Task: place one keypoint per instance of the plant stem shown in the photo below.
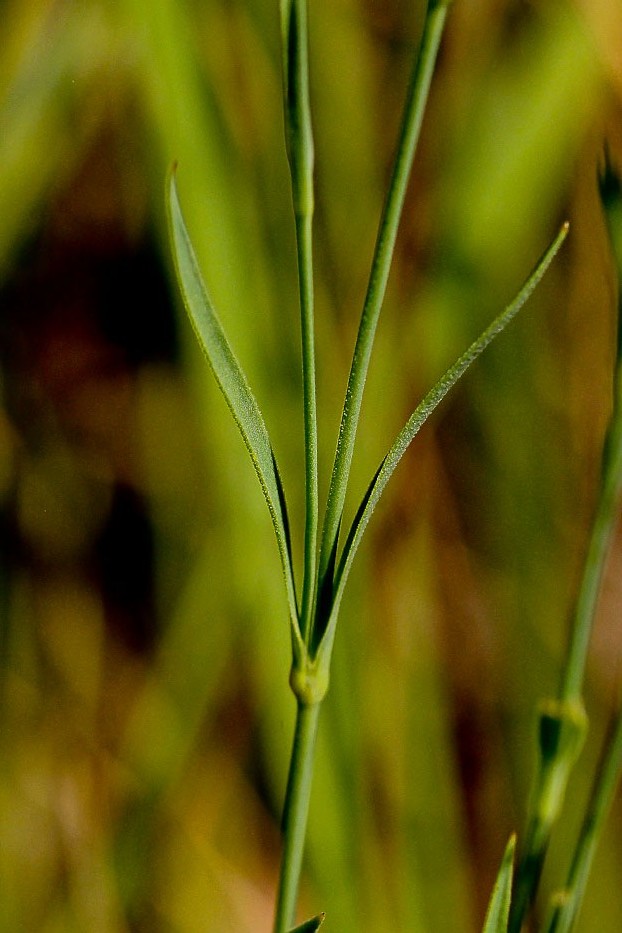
(304, 239)
(566, 904)
(598, 549)
(385, 243)
(300, 151)
(562, 732)
(295, 813)
(568, 715)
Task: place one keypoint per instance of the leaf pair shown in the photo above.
(248, 417)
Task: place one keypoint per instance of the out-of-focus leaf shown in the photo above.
(498, 912)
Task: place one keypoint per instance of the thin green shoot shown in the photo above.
(598, 550)
(412, 120)
(300, 152)
(566, 903)
(563, 723)
(295, 812)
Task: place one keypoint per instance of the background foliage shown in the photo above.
(145, 716)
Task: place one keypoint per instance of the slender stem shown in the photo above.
(387, 232)
(567, 902)
(598, 549)
(563, 726)
(295, 813)
(300, 150)
(557, 761)
(556, 764)
(304, 239)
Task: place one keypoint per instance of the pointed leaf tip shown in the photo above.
(310, 926)
(498, 914)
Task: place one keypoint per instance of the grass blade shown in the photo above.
(232, 382)
(418, 419)
(498, 913)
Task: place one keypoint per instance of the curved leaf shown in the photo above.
(498, 913)
(234, 386)
(418, 419)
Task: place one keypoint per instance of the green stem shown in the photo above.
(567, 902)
(569, 716)
(300, 150)
(385, 243)
(562, 732)
(295, 813)
(304, 238)
(598, 549)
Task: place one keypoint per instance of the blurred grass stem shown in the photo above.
(563, 724)
(566, 903)
(598, 550)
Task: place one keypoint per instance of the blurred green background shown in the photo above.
(145, 716)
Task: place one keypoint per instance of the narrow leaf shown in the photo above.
(233, 384)
(498, 913)
(421, 415)
(311, 925)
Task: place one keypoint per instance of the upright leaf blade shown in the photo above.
(234, 386)
(498, 913)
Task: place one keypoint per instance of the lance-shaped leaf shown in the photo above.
(234, 387)
(310, 926)
(498, 913)
(414, 424)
